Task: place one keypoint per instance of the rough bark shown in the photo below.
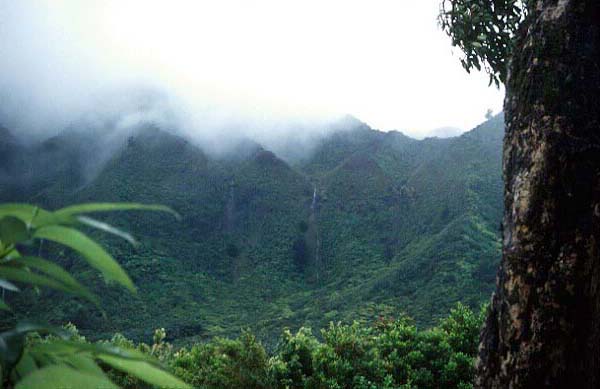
(543, 328)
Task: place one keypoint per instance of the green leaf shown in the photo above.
(4, 284)
(27, 326)
(95, 255)
(23, 212)
(12, 253)
(12, 342)
(63, 377)
(26, 365)
(83, 364)
(107, 207)
(29, 214)
(88, 221)
(4, 306)
(13, 230)
(144, 371)
(28, 277)
(66, 347)
(58, 274)
(62, 280)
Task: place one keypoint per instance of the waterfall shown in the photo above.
(315, 226)
(230, 207)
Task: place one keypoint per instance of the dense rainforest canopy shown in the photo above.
(270, 241)
(370, 223)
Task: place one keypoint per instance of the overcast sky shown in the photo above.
(383, 61)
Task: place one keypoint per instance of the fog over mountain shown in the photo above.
(365, 222)
(223, 73)
(445, 132)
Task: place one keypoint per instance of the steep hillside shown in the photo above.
(9, 160)
(368, 223)
(412, 224)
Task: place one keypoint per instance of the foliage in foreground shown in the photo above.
(391, 353)
(59, 361)
(485, 32)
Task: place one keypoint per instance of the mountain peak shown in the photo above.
(6, 136)
(491, 130)
(445, 132)
(266, 157)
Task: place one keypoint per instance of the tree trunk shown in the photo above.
(543, 328)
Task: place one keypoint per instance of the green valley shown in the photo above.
(365, 224)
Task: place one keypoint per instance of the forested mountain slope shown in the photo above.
(368, 223)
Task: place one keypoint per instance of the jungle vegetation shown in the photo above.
(369, 223)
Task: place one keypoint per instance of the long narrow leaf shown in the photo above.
(95, 255)
(88, 221)
(21, 211)
(66, 347)
(54, 352)
(12, 342)
(57, 273)
(144, 371)
(4, 284)
(25, 366)
(13, 230)
(108, 207)
(28, 326)
(83, 364)
(28, 277)
(29, 214)
(63, 377)
(4, 306)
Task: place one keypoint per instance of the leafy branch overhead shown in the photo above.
(484, 30)
(60, 362)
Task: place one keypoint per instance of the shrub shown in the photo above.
(224, 363)
(64, 359)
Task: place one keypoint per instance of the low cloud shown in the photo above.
(221, 72)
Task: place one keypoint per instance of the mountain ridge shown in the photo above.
(371, 221)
